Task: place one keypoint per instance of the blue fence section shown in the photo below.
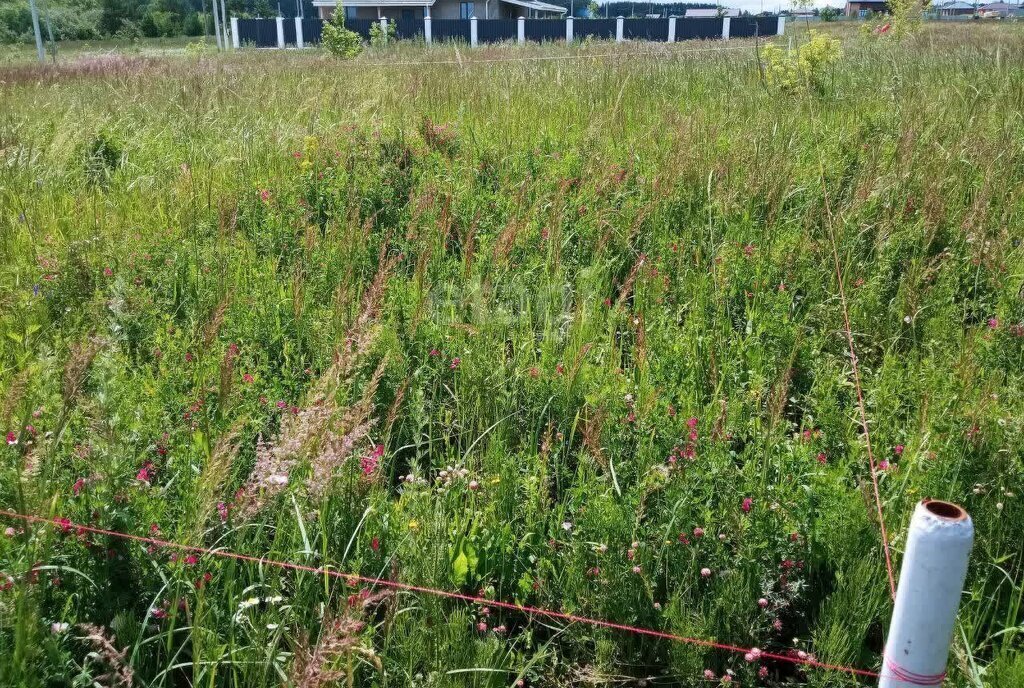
(747, 27)
(262, 33)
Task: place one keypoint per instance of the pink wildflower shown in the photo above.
(747, 505)
(107, 272)
(369, 463)
(247, 378)
(762, 603)
(375, 544)
(993, 323)
(264, 195)
(76, 489)
(222, 511)
(709, 675)
(705, 572)
(698, 532)
(455, 363)
(12, 438)
(822, 459)
(898, 450)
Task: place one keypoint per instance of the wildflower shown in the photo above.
(762, 672)
(145, 474)
(602, 548)
(691, 423)
(222, 511)
(762, 603)
(247, 378)
(637, 570)
(747, 505)
(65, 524)
(369, 463)
(76, 489)
(189, 357)
(58, 627)
(414, 525)
(9, 531)
(107, 272)
(993, 323)
(822, 459)
(482, 626)
(500, 629)
(883, 465)
(777, 625)
(375, 544)
(749, 657)
(567, 526)
(898, 450)
(801, 655)
(748, 250)
(264, 195)
(435, 352)
(12, 438)
(473, 485)
(705, 572)
(560, 369)
(709, 675)
(278, 479)
(191, 560)
(594, 572)
(154, 529)
(698, 532)
(455, 363)
(726, 678)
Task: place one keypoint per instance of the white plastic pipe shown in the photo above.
(931, 582)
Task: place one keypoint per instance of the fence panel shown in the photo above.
(545, 29)
(259, 32)
(450, 29)
(497, 30)
(699, 27)
(746, 27)
(645, 29)
(312, 31)
(409, 28)
(289, 31)
(360, 26)
(599, 29)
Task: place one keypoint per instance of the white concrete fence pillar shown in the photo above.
(427, 35)
(568, 29)
(618, 28)
(521, 30)
(725, 28)
(384, 30)
(931, 584)
(235, 42)
(782, 25)
(671, 29)
(299, 43)
(280, 32)
(472, 31)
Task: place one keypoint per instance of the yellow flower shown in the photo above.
(414, 525)
(495, 480)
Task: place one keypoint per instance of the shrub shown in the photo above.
(805, 68)
(338, 40)
(378, 35)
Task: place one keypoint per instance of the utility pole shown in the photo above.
(224, 23)
(216, 24)
(35, 28)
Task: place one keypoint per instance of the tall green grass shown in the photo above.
(527, 283)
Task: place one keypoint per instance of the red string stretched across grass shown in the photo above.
(799, 659)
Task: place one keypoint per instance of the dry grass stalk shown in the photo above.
(114, 662)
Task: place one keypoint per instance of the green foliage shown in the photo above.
(399, 323)
(829, 14)
(339, 41)
(807, 68)
(379, 37)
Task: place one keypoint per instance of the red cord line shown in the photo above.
(863, 416)
(352, 578)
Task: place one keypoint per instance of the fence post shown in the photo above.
(568, 29)
(618, 28)
(235, 42)
(671, 29)
(299, 43)
(725, 28)
(384, 30)
(472, 31)
(521, 30)
(427, 36)
(931, 583)
(782, 25)
(280, 32)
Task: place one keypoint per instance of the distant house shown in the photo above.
(437, 9)
(863, 8)
(999, 10)
(955, 8)
(692, 12)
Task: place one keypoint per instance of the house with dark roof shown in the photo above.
(437, 9)
(955, 8)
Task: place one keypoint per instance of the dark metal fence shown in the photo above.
(262, 33)
(600, 29)
(450, 29)
(645, 29)
(259, 32)
(545, 29)
(408, 28)
(699, 27)
(497, 30)
(312, 30)
(745, 27)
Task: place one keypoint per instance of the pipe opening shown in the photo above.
(946, 510)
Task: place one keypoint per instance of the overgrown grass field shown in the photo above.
(563, 331)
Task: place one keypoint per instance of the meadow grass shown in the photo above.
(564, 332)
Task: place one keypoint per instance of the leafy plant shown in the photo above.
(379, 36)
(806, 68)
(339, 41)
